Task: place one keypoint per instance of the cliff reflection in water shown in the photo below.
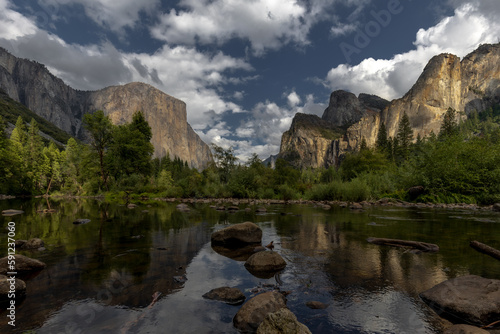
(120, 258)
(101, 276)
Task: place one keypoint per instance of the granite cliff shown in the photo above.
(472, 83)
(35, 87)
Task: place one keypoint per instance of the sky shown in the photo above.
(246, 67)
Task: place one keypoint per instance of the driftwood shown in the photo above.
(422, 246)
(480, 247)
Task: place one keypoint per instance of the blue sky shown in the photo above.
(245, 67)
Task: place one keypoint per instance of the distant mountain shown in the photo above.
(31, 84)
(467, 85)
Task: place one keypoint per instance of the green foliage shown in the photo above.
(225, 161)
(403, 140)
(461, 165)
(130, 150)
(100, 129)
(382, 143)
(449, 127)
(357, 163)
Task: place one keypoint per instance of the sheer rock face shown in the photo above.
(165, 114)
(346, 109)
(48, 96)
(470, 84)
(312, 142)
(446, 82)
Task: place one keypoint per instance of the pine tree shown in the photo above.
(382, 142)
(131, 149)
(36, 162)
(6, 166)
(363, 146)
(404, 138)
(449, 126)
(52, 170)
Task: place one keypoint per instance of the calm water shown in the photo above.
(101, 276)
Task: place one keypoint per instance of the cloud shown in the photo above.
(293, 99)
(14, 25)
(343, 29)
(82, 67)
(196, 78)
(266, 24)
(472, 24)
(111, 14)
(267, 122)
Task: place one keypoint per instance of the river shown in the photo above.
(100, 276)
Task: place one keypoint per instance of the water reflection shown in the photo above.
(101, 276)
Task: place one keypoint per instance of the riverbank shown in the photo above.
(226, 202)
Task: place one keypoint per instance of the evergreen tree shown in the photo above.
(382, 143)
(7, 166)
(52, 170)
(363, 146)
(404, 138)
(36, 164)
(131, 149)
(18, 139)
(449, 126)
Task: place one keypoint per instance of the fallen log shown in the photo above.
(422, 246)
(483, 248)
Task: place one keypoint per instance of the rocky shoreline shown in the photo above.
(329, 204)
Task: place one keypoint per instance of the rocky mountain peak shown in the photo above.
(446, 81)
(35, 87)
(345, 109)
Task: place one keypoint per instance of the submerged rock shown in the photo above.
(34, 243)
(238, 235)
(265, 264)
(315, 305)
(183, 207)
(467, 299)
(5, 288)
(237, 254)
(254, 311)
(232, 296)
(180, 279)
(282, 321)
(23, 264)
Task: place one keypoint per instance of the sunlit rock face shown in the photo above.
(312, 142)
(34, 86)
(165, 114)
(472, 83)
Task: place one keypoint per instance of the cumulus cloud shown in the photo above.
(14, 25)
(472, 24)
(266, 123)
(112, 14)
(183, 72)
(82, 67)
(266, 24)
(191, 76)
(293, 99)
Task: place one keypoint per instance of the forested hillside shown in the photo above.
(459, 164)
